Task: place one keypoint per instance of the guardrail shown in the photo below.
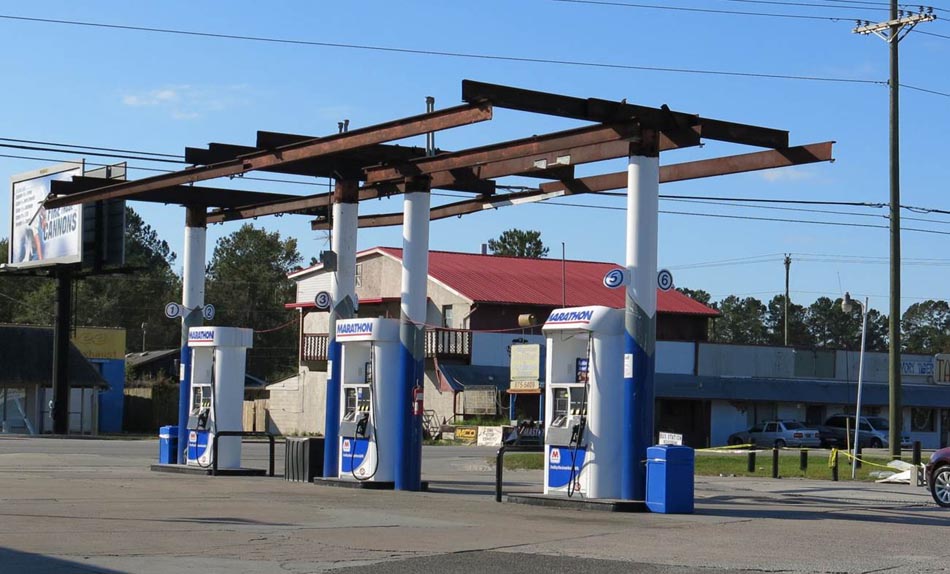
(242, 434)
(500, 463)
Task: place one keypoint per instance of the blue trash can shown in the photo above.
(670, 471)
(168, 445)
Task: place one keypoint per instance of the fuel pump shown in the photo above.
(583, 406)
(369, 380)
(217, 393)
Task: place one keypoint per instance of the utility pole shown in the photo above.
(892, 32)
(788, 264)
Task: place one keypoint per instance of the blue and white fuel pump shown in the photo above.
(370, 378)
(217, 393)
(584, 403)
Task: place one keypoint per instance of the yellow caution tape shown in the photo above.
(833, 458)
(730, 447)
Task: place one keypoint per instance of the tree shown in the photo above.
(248, 285)
(14, 288)
(832, 328)
(798, 335)
(742, 321)
(926, 328)
(696, 294)
(518, 243)
(125, 299)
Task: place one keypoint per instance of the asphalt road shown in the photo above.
(81, 506)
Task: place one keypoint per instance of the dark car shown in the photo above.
(938, 476)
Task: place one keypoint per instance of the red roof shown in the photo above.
(522, 280)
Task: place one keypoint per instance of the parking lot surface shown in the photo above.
(81, 506)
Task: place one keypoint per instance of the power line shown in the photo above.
(422, 52)
(98, 148)
(88, 152)
(708, 10)
(749, 218)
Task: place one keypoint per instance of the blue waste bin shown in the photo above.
(670, 471)
(168, 445)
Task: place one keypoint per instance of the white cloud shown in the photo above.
(785, 174)
(187, 102)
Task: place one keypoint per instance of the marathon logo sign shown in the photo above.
(204, 336)
(564, 317)
(354, 329)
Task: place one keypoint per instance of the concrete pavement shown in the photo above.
(93, 506)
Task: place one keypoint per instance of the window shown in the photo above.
(447, 316)
(770, 427)
(359, 275)
(922, 420)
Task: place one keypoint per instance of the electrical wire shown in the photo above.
(443, 53)
(710, 10)
(35, 142)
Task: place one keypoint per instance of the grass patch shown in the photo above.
(718, 464)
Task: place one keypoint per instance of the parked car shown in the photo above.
(938, 476)
(779, 434)
(873, 432)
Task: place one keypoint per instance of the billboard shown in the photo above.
(40, 237)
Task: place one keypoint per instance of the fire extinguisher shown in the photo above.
(417, 397)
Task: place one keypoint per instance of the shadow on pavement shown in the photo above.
(17, 561)
(821, 509)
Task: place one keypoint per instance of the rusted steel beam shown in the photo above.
(596, 110)
(771, 159)
(182, 194)
(389, 131)
(799, 155)
(450, 210)
(533, 146)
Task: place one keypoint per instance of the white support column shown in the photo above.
(643, 186)
(343, 306)
(192, 301)
(415, 273)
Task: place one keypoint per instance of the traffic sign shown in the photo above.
(664, 280)
(615, 278)
(322, 300)
(172, 310)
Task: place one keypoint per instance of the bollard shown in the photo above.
(774, 462)
(803, 460)
(834, 466)
(918, 472)
(751, 465)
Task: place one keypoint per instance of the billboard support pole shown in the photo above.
(192, 300)
(59, 411)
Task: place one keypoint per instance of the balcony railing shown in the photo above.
(441, 343)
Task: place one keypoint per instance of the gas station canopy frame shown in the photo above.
(375, 168)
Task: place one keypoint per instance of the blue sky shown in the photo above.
(160, 92)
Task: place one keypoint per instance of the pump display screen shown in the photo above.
(200, 398)
(349, 408)
(357, 400)
(567, 403)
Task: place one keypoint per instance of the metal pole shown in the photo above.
(342, 306)
(60, 408)
(643, 186)
(788, 264)
(894, 320)
(192, 301)
(857, 408)
(563, 275)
